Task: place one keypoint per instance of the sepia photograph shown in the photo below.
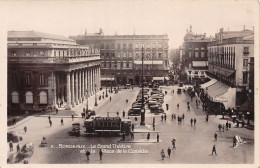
(130, 82)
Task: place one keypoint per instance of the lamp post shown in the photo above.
(248, 114)
(95, 94)
(106, 90)
(87, 101)
(143, 109)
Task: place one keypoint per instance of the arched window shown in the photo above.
(15, 97)
(28, 97)
(43, 97)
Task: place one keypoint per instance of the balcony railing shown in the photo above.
(52, 59)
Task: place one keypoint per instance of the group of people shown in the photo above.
(193, 121)
(169, 150)
(100, 154)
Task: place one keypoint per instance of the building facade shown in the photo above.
(194, 55)
(121, 56)
(229, 55)
(46, 70)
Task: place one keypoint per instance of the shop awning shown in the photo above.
(148, 62)
(199, 63)
(228, 98)
(216, 90)
(211, 82)
(226, 72)
(107, 78)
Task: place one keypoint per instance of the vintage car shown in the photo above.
(156, 109)
(179, 91)
(134, 111)
(75, 129)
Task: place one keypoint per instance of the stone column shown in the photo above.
(79, 83)
(68, 106)
(72, 89)
(76, 88)
(83, 91)
(90, 81)
(99, 78)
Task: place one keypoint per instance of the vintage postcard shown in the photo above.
(130, 82)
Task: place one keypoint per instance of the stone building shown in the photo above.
(194, 55)
(121, 56)
(229, 55)
(45, 70)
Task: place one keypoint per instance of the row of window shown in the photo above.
(116, 65)
(29, 97)
(56, 53)
(28, 79)
(138, 55)
(197, 54)
(130, 46)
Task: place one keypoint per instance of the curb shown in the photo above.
(20, 122)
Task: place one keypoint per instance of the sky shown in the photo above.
(126, 17)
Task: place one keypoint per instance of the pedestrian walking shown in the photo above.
(215, 136)
(123, 113)
(178, 105)
(172, 116)
(135, 118)
(100, 154)
(162, 117)
(133, 126)
(167, 107)
(49, 117)
(25, 129)
(82, 115)
(191, 121)
(227, 125)
(188, 107)
(165, 117)
(72, 117)
(162, 154)
(158, 137)
(132, 135)
(234, 141)
(195, 121)
(14, 121)
(18, 148)
(219, 127)
(173, 144)
(214, 150)
(61, 121)
(148, 136)
(110, 98)
(50, 122)
(11, 145)
(87, 154)
(183, 116)
(153, 119)
(117, 113)
(57, 111)
(169, 152)
(207, 118)
(188, 103)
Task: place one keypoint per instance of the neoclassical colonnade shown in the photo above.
(80, 83)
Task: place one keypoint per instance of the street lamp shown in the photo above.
(87, 101)
(95, 94)
(248, 113)
(106, 90)
(143, 109)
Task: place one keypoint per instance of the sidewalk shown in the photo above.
(139, 141)
(63, 113)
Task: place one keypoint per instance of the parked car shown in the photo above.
(157, 110)
(75, 129)
(26, 151)
(134, 111)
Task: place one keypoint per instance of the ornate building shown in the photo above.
(44, 70)
(121, 55)
(194, 55)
